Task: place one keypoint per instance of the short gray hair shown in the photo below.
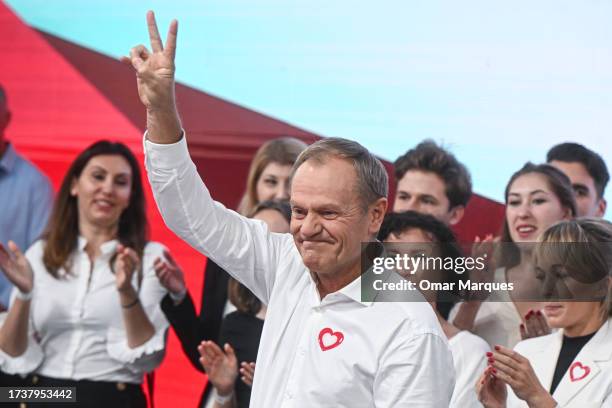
(372, 178)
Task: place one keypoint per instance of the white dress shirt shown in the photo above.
(333, 352)
(76, 322)
(469, 355)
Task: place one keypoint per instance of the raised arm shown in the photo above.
(155, 78)
(241, 246)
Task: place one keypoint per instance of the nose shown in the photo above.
(282, 192)
(310, 226)
(549, 285)
(107, 186)
(524, 211)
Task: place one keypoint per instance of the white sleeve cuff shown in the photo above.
(166, 156)
(25, 363)
(141, 359)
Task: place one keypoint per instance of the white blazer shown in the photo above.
(588, 381)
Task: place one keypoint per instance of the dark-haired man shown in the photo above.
(431, 180)
(588, 173)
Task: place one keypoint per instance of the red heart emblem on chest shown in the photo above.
(579, 371)
(329, 339)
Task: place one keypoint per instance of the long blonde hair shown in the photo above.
(284, 151)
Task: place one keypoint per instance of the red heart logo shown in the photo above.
(325, 339)
(578, 371)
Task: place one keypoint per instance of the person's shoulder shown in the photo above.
(29, 172)
(469, 341)
(154, 248)
(415, 317)
(36, 249)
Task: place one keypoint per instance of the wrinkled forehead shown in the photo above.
(334, 178)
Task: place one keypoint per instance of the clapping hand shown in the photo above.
(247, 370)
(492, 392)
(221, 367)
(515, 370)
(535, 325)
(16, 267)
(483, 249)
(125, 265)
(169, 274)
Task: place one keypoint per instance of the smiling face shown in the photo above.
(588, 203)
(532, 207)
(103, 190)
(273, 183)
(328, 220)
(425, 193)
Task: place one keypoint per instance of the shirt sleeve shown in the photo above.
(33, 355)
(243, 247)
(150, 354)
(42, 201)
(416, 370)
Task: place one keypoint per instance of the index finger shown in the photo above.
(156, 43)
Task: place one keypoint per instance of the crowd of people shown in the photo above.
(87, 298)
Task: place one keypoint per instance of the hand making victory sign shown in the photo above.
(155, 78)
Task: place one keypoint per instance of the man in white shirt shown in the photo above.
(322, 345)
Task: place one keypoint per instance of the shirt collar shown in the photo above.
(106, 248)
(353, 291)
(9, 158)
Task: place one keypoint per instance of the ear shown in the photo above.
(601, 207)
(376, 214)
(456, 214)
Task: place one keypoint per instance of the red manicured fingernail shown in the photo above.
(482, 382)
(497, 348)
(539, 313)
(522, 326)
(491, 360)
(489, 354)
(494, 371)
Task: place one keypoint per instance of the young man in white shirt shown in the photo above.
(322, 345)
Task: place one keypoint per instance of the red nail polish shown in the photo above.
(539, 313)
(522, 326)
(494, 371)
(491, 360)
(497, 348)
(489, 354)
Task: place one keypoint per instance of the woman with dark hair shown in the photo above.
(85, 308)
(268, 179)
(572, 367)
(537, 196)
(410, 233)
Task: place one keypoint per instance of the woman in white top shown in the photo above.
(537, 196)
(85, 308)
(572, 367)
(414, 234)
